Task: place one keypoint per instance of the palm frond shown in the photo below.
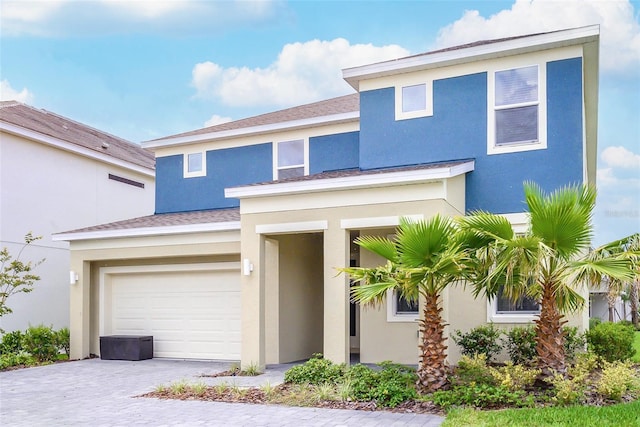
(562, 218)
(371, 293)
(380, 246)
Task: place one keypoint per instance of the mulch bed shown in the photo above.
(258, 396)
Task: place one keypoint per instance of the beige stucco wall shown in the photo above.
(380, 339)
(464, 313)
(300, 296)
(88, 257)
(333, 215)
(47, 190)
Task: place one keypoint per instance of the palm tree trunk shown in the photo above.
(612, 296)
(549, 336)
(432, 371)
(633, 296)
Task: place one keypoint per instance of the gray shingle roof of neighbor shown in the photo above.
(65, 129)
(342, 104)
(167, 220)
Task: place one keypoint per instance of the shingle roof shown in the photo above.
(345, 173)
(343, 104)
(62, 128)
(167, 220)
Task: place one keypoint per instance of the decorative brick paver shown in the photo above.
(102, 393)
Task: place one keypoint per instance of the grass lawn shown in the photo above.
(621, 415)
(636, 345)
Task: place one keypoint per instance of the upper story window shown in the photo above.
(291, 159)
(414, 98)
(195, 164)
(517, 113)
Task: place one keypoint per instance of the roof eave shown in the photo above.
(516, 46)
(73, 148)
(351, 182)
(146, 231)
(352, 116)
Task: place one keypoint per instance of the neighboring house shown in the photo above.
(57, 174)
(254, 216)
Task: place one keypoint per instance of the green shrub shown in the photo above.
(481, 396)
(568, 391)
(7, 360)
(617, 379)
(583, 364)
(574, 342)
(362, 380)
(594, 321)
(63, 340)
(40, 341)
(316, 370)
(11, 343)
(611, 341)
(514, 377)
(521, 345)
(472, 370)
(484, 339)
(389, 386)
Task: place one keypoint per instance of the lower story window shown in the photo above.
(399, 309)
(505, 310)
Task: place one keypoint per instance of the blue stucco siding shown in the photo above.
(333, 152)
(225, 168)
(458, 130)
(496, 183)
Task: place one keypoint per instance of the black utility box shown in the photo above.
(126, 347)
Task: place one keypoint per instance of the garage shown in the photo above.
(192, 310)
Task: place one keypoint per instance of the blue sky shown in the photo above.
(144, 69)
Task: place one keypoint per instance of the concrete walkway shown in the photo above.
(101, 393)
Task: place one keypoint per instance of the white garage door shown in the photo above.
(193, 313)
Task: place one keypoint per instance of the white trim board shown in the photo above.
(350, 182)
(147, 231)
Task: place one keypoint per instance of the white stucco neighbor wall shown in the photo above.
(46, 190)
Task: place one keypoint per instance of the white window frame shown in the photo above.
(185, 161)
(541, 143)
(277, 168)
(393, 316)
(427, 111)
(520, 223)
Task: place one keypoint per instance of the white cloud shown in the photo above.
(8, 93)
(303, 72)
(620, 157)
(216, 120)
(72, 17)
(619, 27)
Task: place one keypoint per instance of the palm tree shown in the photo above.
(422, 261)
(628, 249)
(546, 263)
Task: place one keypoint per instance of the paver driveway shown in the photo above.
(101, 393)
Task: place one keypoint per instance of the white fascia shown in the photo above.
(475, 53)
(73, 148)
(274, 127)
(147, 231)
(350, 182)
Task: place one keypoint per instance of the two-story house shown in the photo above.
(57, 174)
(254, 216)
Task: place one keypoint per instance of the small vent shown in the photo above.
(126, 181)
